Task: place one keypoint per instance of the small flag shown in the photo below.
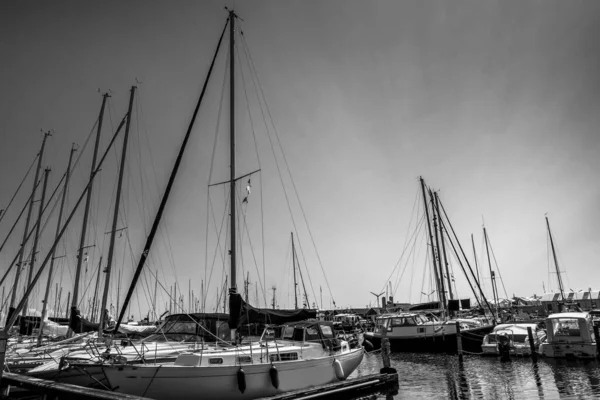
(248, 190)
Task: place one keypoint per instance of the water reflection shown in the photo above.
(435, 376)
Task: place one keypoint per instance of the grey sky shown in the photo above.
(493, 103)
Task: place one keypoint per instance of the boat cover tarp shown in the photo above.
(249, 314)
(79, 324)
(138, 329)
(54, 330)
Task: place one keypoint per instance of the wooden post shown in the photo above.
(459, 341)
(531, 344)
(597, 337)
(385, 356)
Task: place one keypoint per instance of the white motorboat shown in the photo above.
(516, 337)
(569, 335)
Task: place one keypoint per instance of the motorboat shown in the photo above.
(569, 335)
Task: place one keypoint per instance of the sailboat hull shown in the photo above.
(223, 383)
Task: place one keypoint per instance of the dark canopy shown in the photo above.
(249, 314)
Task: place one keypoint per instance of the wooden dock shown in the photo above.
(344, 389)
(16, 386)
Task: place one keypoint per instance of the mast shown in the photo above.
(560, 284)
(492, 274)
(475, 256)
(75, 298)
(155, 294)
(95, 298)
(51, 268)
(445, 258)
(232, 245)
(439, 258)
(294, 269)
(433, 258)
(13, 296)
(36, 238)
(113, 231)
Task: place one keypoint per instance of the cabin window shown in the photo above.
(215, 360)
(404, 321)
(284, 357)
(312, 334)
(288, 332)
(327, 331)
(565, 327)
(244, 359)
(420, 330)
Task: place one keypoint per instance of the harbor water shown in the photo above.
(442, 376)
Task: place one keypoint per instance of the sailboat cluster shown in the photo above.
(250, 352)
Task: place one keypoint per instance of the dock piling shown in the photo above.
(531, 344)
(459, 342)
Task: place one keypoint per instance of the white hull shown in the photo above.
(221, 382)
(568, 350)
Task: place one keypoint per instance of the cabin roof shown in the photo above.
(576, 315)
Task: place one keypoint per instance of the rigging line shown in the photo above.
(218, 248)
(411, 252)
(254, 83)
(19, 187)
(287, 168)
(405, 241)
(210, 173)
(497, 268)
(258, 160)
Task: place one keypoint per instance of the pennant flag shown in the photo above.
(248, 190)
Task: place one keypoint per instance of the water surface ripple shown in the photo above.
(441, 376)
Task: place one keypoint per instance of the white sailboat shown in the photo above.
(292, 357)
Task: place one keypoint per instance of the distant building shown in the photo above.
(586, 300)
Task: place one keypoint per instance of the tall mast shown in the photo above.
(232, 146)
(75, 297)
(492, 274)
(113, 231)
(560, 284)
(294, 269)
(13, 295)
(36, 238)
(439, 258)
(51, 268)
(433, 258)
(232, 204)
(475, 256)
(444, 257)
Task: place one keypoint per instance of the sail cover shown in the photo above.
(249, 314)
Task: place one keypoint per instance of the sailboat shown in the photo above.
(294, 356)
(420, 329)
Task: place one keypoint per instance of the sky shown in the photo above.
(493, 103)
